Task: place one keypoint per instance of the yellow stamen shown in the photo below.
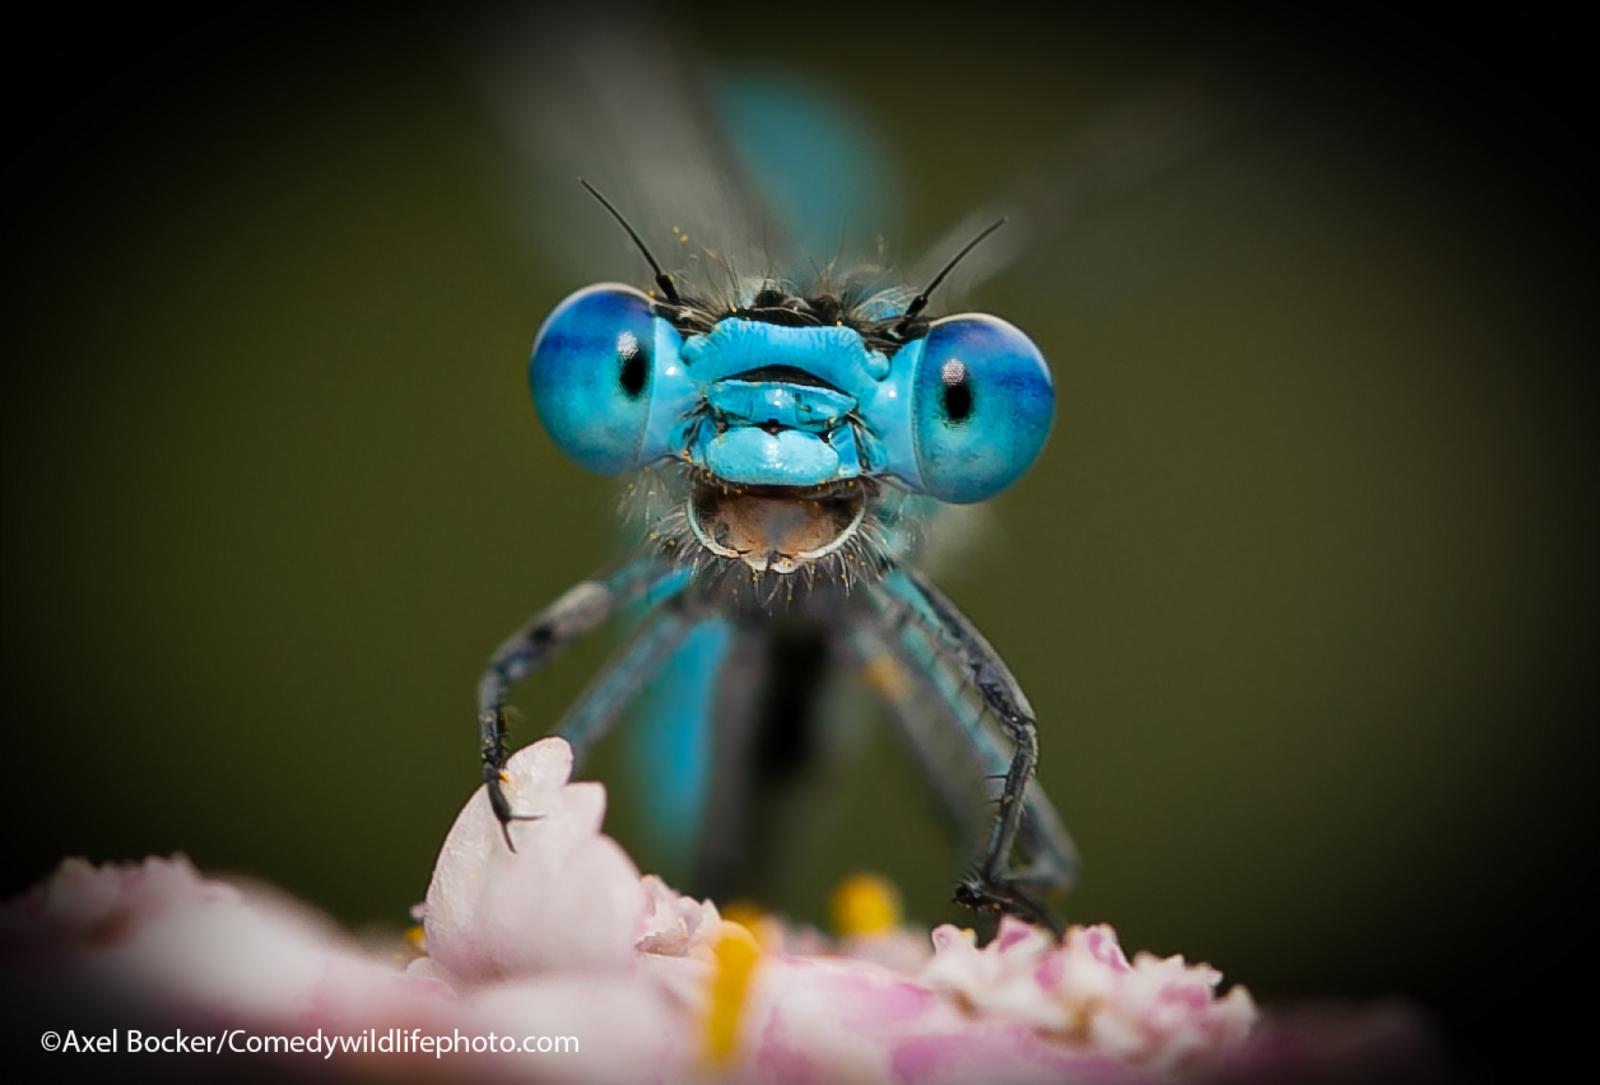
(746, 913)
(414, 936)
(864, 904)
(735, 955)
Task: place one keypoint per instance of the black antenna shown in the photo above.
(920, 302)
(663, 280)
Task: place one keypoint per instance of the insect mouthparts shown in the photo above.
(775, 529)
(786, 374)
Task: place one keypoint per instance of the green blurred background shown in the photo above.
(1300, 590)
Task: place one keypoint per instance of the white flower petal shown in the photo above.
(566, 898)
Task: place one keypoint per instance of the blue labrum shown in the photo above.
(957, 412)
(749, 455)
(778, 403)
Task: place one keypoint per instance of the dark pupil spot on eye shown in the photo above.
(634, 368)
(955, 389)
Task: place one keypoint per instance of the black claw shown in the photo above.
(502, 808)
(985, 894)
(969, 894)
(497, 797)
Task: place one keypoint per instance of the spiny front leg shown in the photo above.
(580, 609)
(954, 738)
(492, 736)
(993, 885)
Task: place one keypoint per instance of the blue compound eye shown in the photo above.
(981, 407)
(592, 368)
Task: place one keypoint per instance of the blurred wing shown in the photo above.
(725, 174)
(821, 167)
(1123, 151)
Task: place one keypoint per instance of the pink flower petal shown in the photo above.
(672, 924)
(163, 937)
(563, 938)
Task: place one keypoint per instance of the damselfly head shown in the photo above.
(791, 409)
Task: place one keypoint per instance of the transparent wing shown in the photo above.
(731, 171)
(725, 174)
(1080, 175)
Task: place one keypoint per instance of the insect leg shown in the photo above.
(580, 609)
(958, 752)
(903, 599)
(647, 651)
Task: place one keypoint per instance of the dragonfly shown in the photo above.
(794, 432)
